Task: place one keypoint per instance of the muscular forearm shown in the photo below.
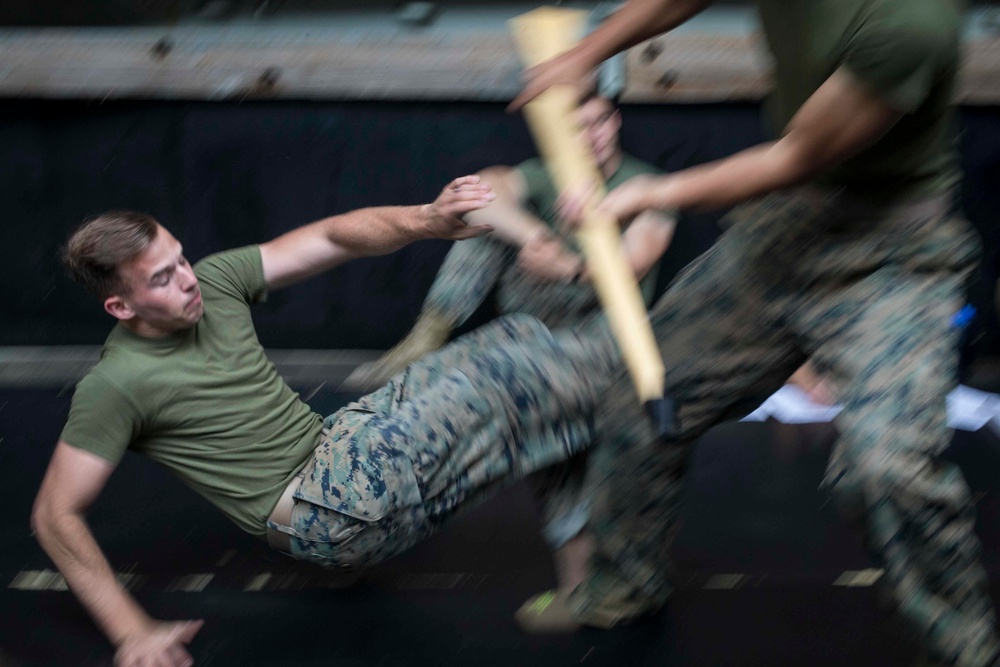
(321, 245)
(840, 120)
(515, 228)
(378, 230)
(71, 546)
(511, 222)
(747, 174)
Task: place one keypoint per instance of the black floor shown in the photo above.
(758, 554)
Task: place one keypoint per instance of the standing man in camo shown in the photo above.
(845, 246)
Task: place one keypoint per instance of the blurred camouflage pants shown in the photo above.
(869, 294)
(492, 407)
(474, 270)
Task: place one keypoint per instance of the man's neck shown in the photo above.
(145, 330)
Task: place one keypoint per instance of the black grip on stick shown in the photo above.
(663, 415)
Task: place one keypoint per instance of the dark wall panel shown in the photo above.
(226, 174)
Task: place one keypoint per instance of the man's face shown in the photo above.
(600, 121)
(164, 295)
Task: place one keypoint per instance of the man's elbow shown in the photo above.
(44, 520)
(40, 524)
(41, 518)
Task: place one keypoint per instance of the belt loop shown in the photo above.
(281, 515)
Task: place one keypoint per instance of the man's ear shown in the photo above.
(116, 307)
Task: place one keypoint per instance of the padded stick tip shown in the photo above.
(663, 415)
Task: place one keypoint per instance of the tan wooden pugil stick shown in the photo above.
(540, 35)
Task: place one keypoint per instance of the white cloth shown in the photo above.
(968, 409)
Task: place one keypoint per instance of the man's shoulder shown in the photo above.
(907, 52)
(227, 262)
(124, 363)
(113, 379)
(238, 273)
(108, 408)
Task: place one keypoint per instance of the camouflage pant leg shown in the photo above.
(559, 492)
(724, 344)
(470, 271)
(561, 498)
(494, 406)
(872, 295)
(557, 304)
(888, 344)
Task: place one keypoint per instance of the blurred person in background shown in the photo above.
(534, 269)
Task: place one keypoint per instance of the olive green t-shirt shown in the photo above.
(541, 195)
(205, 402)
(907, 52)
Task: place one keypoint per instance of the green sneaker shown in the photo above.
(546, 614)
(430, 332)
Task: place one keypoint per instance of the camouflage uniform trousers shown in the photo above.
(471, 272)
(868, 293)
(492, 407)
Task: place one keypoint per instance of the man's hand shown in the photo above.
(546, 258)
(573, 202)
(443, 217)
(430, 332)
(162, 644)
(632, 197)
(634, 22)
(628, 200)
(567, 69)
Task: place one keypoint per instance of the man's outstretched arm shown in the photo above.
(322, 245)
(511, 221)
(636, 21)
(840, 120)
(512, 224)
(72, 482)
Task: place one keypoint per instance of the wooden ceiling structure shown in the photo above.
(418, 51)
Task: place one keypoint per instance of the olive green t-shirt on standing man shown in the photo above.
(907, 53)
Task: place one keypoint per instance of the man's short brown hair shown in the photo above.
(96, 251)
